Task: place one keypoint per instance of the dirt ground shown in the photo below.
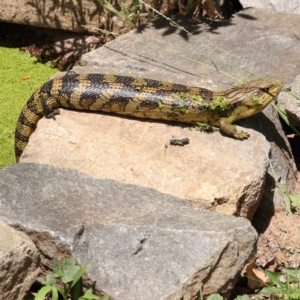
(279, 235)
(278, 244)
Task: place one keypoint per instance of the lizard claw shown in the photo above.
(241, 135)
(53, 114)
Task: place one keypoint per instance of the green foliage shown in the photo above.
(293, 204)
(283, 288)
(131, 15)
(190, 6)
(286, 118)
(69, 274)
(215, 297)
(14, 92)
(218, 297)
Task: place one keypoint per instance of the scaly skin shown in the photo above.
(145, 98)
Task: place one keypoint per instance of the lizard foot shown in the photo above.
(241, 135)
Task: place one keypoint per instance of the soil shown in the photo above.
(279, 234)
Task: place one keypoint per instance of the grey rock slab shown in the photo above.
(19, 263)
(282, 167)
(142, 244)
(255, 43)
(290, 6)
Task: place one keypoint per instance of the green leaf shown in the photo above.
(294, 200)
(271, 290)
(69, 270)
(62, 292)
(214, 297)
(50, 279)
(285, 117)
(79, 274)
(54, 293)
(89, 291)
(244, 297)
(294, 294)
(291, 273)
(41, 280)
(76, 290)
(43, 292)
(58, 270)
(274, 278)
(89, 297)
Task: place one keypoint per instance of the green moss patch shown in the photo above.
(20, 76)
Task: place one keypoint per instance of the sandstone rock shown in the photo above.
(142, 244)
(19, 262)
(282, 166)
(138, 152)
(217, 58)
(134, 151)
(291, 6)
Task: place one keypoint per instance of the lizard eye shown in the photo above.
(265, 89)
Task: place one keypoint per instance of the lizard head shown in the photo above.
(252, 97)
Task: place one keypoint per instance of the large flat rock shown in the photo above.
(254, 43)
(142, 244)
(213, 172)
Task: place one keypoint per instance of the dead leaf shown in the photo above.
(256, 277)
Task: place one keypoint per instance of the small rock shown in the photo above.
(19, 263)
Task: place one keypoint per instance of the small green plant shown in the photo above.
(189, 7)
(218, 297)
(294, 201)
(69, 275)
(283, 286)
(131, 15)
(286, 118)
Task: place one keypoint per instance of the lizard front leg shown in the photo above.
(229, 129)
